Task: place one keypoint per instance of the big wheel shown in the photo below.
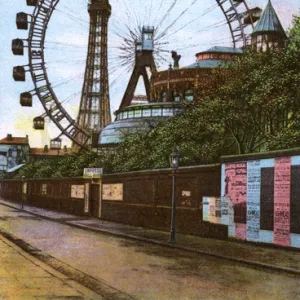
(176, 28)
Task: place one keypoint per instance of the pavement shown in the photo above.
(255, 255)
(25, 277)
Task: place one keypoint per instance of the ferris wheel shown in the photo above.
(169, 19)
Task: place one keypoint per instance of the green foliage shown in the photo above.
(68, 166)
(199, 139)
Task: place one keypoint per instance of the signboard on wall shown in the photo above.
(92, 172)
(113, 192)
(77, 191)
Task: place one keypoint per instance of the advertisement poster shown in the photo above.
(282, 190)
(205, 211)
(86, 198)
(77, 191)
(253, 200)
(212, 210)
(113, 192)
(227, 215)
(236, 190)
(218, 212)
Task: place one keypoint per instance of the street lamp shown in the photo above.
(174, 163)
(23, 177)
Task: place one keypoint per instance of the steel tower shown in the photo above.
(94, 111)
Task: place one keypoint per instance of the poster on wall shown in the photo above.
(253, 200)
(113, 192)
(212, 210)
(227, 215)
(205, 210)
(86, 197)
(282, 190)
(77, 191)
(236, 189)
(44, 189)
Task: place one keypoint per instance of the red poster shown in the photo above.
(282, 196)
(236, 189)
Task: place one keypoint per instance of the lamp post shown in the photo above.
(23, 177)
(174, 162)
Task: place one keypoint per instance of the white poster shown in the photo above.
(86, 198)
(212, 210)
(227, 215)
(205, 210)
(253, 200)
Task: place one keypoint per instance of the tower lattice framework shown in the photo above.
(94, 112)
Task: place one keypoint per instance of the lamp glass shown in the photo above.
(174, 160)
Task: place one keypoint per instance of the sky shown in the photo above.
(200, 25)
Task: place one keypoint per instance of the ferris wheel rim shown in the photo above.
(36, 40)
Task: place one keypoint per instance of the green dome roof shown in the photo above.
(138, 118)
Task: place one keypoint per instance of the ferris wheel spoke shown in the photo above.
(192, 21)
(163, 33)
(166, 14)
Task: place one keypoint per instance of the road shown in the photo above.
(130, 269)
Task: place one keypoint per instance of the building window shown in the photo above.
(189, 95)
(176, 97)
(148, 36)
(146, 112)
(163, 96)
(169, 112)
(156, 112)
(131, 114)
(138, 113)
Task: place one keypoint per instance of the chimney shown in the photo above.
(46, 149)
(9, 137)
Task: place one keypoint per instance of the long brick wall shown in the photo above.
(146, 197)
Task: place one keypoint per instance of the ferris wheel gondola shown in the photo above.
(236, 12)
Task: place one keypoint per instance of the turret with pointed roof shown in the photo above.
(268, 32)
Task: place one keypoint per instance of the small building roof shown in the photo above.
(11, 140)
(268, 22)
(49, 152)
(206, 63)
(219, 49)
(15, 168)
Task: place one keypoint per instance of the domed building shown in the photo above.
(137, 118)
(168, 90)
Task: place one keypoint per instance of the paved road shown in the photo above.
(24, 277)
(144, 271)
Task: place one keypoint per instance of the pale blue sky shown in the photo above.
(65, 50)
